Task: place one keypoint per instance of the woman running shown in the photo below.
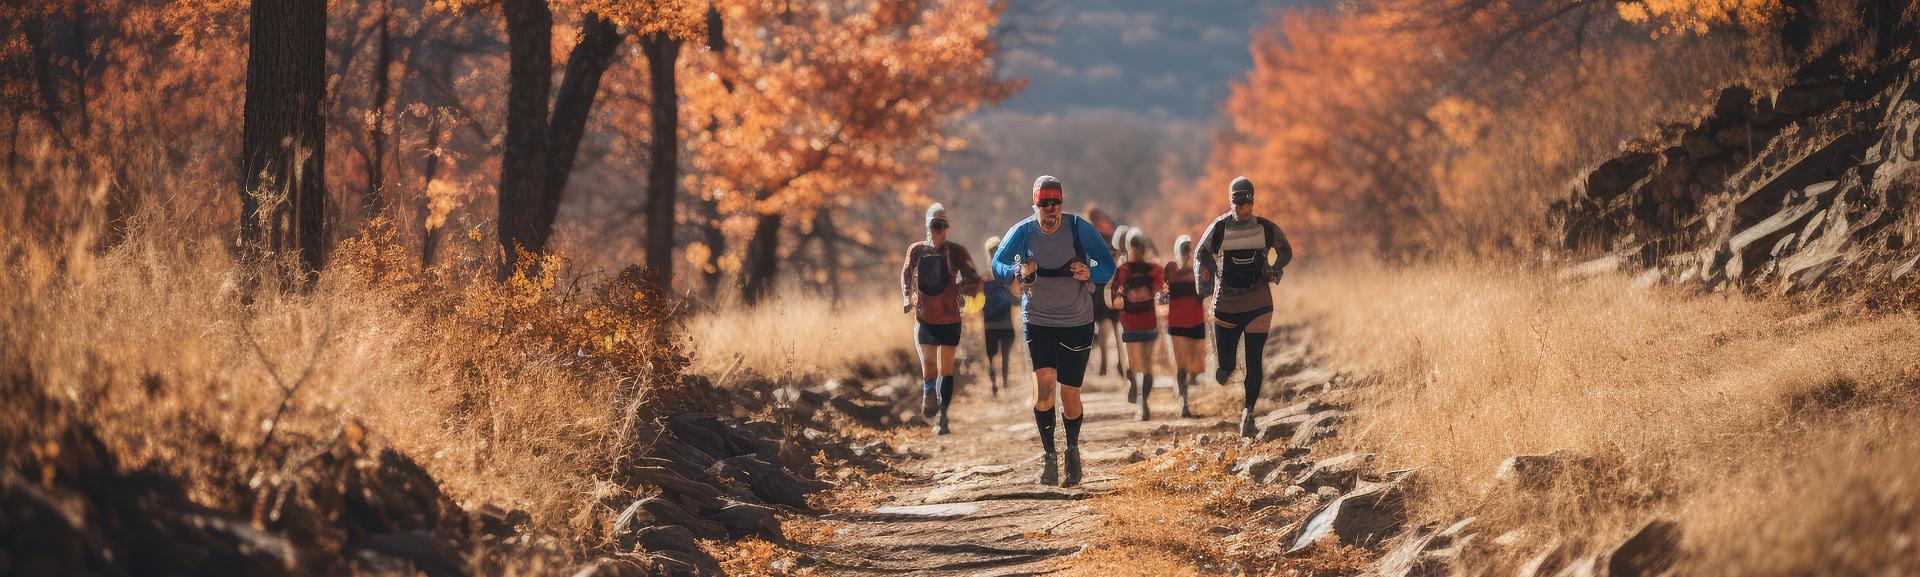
(1186, 320)
(997, 319)
(937, 272)
(1058, 258)
(1138, 286)
(1234, 251)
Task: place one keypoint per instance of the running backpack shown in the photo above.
(1137, 288)
(1242, 268)
(1180, 289)
(932, 272)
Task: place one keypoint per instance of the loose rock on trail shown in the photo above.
(972, 506)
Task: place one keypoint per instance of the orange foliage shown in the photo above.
(1420, 127)
(823, 102)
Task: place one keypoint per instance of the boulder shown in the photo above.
(490, 520)
(1319, 426)
(1270, 429)
(652, 511)
(768, 482)
(1651, 551)
(876, 414)
(1254, 468)
(1425, 552)
(743, 519)
(410, 553)
(1537, 472)
(1363, 518)
(695, 494)
(671, 550)
(1340, 472)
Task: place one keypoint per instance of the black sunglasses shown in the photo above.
(938, 225)
(1049, 202)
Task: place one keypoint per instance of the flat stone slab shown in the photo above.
(934, 511)
(999, 491)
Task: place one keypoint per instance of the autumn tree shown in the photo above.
(283, 145)
(541, 141)
(1417, 127)
(834, 101)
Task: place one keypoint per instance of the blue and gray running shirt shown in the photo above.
(1055, 301)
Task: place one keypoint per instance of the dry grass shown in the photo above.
(1183, 514)
(518, 394)
(1782, 436)
(794, 336)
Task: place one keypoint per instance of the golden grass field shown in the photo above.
(516, 394)
(1781, 435)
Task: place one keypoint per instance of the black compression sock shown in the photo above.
(1181, 378)
(1043, 420)
(946, 391)
(1073, 432)
(1225, 342)
(1256, 366)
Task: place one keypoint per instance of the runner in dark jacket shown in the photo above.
(1232, 262)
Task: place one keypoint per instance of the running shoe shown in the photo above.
(1073, 467)
(1050, 469)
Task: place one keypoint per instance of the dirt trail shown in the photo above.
(973, 506)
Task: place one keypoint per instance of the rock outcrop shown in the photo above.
(1802, 188)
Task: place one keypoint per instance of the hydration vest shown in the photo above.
(1241, 268)
(1079, 253)
(933, 272)
(1137, 287)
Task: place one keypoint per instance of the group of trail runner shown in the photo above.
(1072, 292)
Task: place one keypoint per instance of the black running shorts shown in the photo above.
(943, 335)
(1063, 349)
(1192, 332)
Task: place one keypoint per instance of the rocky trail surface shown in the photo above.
(972, 505)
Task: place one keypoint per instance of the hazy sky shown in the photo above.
(1151, 56)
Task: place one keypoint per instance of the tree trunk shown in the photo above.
(540, 151)
(429, 235)
(716, 240)
(663, 173)
(763, 259)
(573, 105)
(829, 235)
(283, 137)
(523, 162)
(375, 201)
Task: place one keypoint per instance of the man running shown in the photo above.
(997, 321)
(1186, 320)
(1138, 286)
(1234, 251)
(1058, 258)
(937, 272)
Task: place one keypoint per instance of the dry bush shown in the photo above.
(801, 335)
(521, 394)
(1778, 437)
